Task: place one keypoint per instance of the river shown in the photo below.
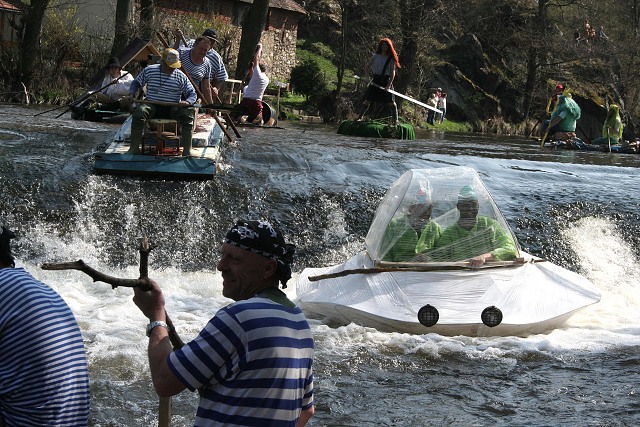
(580, 210)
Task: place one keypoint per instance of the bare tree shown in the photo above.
(252, 28)
(121, 34)
(147, 18)
(29, 49)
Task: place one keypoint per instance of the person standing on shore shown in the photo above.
(44, 379)
(252, 362)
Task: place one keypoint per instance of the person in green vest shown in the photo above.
(563, 119)
(412, 234)
(612, 127)
(475, 238)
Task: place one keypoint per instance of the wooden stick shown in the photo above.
(165, 103)
(164, 414)
(401, 95)
(97, 276)
(226, 115)
(416, 267)
(142, 283)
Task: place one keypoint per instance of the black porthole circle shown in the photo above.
(491, 316)
(428, 315)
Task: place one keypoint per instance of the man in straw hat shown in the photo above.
(165, 83)
(252, 362)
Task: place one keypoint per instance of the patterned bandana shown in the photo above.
(263, 239)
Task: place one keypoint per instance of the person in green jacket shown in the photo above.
(564, 117)
(612, 127)
(413, 233)
(475, 238)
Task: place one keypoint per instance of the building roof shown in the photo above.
(12, 5)
(282, 4)
(287, 5)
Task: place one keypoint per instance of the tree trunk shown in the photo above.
(540, 24)
(123, 20)
(147, 16)
(29, 49)
(412, 26)
(251, 32)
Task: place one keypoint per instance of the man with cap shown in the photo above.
(218, 71)
(412, 234)
(44, 381)
(473, 237)
(117, 84)
(252, 362)
(165, 83)
(113, 96)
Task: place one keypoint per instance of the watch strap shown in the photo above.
(155, 323)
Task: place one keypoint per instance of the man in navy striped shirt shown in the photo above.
(43, 367)
(165, 84)
(218, 71)
(197, 66)
(252, 363)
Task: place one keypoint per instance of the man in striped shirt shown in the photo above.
(43, 368)
(165, 84)
(252, 363)
(197, 66)
(218, 71)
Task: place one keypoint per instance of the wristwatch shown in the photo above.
(153, 324)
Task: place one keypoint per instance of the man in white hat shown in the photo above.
(165, 83)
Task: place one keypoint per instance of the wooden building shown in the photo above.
(10, 11)
(279, 38)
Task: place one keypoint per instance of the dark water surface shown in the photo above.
(578, 209)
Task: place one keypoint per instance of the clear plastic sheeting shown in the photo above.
(440, 215)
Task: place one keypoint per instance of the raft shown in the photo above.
(377, 129)
(578, 144)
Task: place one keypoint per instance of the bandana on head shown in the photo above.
(263, 239)
(5, 249)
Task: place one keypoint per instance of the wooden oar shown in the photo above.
(544, 138)
(408, 98)
(165, 103)
(534, 127)
(84, 97)
(226, 115)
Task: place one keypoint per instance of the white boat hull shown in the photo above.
(535, 297)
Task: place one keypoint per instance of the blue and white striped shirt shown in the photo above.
(218, 70)
(198, 72)
(43, 367)
(164, 87)
(253, 361)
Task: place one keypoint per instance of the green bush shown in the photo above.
(308, 78)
